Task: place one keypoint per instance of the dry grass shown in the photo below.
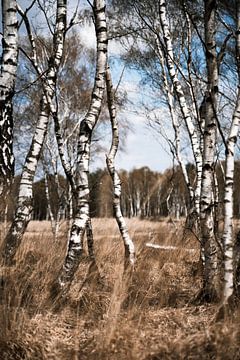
(147, 315)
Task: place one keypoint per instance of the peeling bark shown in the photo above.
(128, 243)
(8, 69)
(211, 285)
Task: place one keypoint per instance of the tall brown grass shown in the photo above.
(147, 315)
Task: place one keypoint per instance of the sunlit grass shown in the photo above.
(144, 315)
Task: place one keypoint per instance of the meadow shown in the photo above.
(150, 314)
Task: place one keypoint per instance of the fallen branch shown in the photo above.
(167, 247)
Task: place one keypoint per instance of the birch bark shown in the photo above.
(181, 99)
(8, 69)
(128, 243)
(81, 220)
(228, 244)
(228, 204)
(24, 202)
(175, 125)
(208, 240)
(73, 193)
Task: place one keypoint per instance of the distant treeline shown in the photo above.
(145, 194)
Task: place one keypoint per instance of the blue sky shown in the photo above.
(141, 146)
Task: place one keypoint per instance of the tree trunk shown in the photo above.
(193, 136)
(228, 243)
(81, 219)
(211, 285)
(24, 203)
(128, 243)
(193, 213)
(228, 205)
(8, 69)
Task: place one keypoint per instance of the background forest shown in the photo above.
(145, 194)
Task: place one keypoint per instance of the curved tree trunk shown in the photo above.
(193, 215)
(193, 136)
(81, 219)
(8, 69)
(24, 203)
(128, 243)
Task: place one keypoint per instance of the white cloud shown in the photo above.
(142, 149)
(87, 34)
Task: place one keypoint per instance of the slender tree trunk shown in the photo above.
(90, 242)
(64, 160)
(211, 269)
(55, 221)
(8, 69)
(81, 219)
(52, 220)
(228, 243)
(128, 243)
(193, 214)
(228, 205)
(70, 215)
(24, 203)
(193, 136)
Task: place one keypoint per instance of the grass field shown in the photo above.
(150, 315)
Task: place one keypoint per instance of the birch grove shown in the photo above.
(201, 115)
(185, 57)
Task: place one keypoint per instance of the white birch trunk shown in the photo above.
(228, 204)
(24, 202)
(228, 243)
(69, 175)
(61, 151)
(8, 69)
(75, 243)
(193, 136)
(128, 243)
(52, 220)
(208, 240)
(172, 110)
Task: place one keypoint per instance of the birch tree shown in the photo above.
(182, 101)
(24, 202)
(128, 243)
(228, 243)
(8, 69)
(81, 219)
(165, 57)
(211, 270)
